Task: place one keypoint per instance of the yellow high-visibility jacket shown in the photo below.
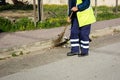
(86, 16)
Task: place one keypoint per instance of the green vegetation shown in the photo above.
(107, 13)
(54, 16)
(14, 54)
(20, 25)
(5, 24)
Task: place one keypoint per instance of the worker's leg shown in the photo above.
(74, 38)
(84, 39)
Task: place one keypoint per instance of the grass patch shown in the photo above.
(14, 54)
(107, 13)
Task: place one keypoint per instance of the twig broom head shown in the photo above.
(57, 42)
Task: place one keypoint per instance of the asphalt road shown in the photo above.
(103, 63)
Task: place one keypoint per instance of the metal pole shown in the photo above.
(34, 11)
(39, 11)
(116, 6)
(96, 8)
(42, 16)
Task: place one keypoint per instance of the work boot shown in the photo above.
(83, 54)
(72, 53)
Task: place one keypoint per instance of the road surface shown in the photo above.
(103, 63)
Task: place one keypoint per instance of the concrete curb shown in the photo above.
(24, 49)
(105, 31)
(27, 49)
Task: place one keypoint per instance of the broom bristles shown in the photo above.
(60, 37)
(58, 40)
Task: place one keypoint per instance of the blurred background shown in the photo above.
(20, 15)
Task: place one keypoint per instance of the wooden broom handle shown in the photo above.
(70, 17)
(71, 14)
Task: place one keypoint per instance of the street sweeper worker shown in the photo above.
(81, 20)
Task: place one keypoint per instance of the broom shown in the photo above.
(57, 42)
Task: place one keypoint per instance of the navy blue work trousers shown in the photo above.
(79, 37)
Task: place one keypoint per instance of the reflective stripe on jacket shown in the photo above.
(86, 16)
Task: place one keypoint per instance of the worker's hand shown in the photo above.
(74, 9)
(68, 19)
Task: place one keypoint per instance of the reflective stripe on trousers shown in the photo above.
(79, 37)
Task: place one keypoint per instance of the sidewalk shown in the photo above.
(39, 39)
